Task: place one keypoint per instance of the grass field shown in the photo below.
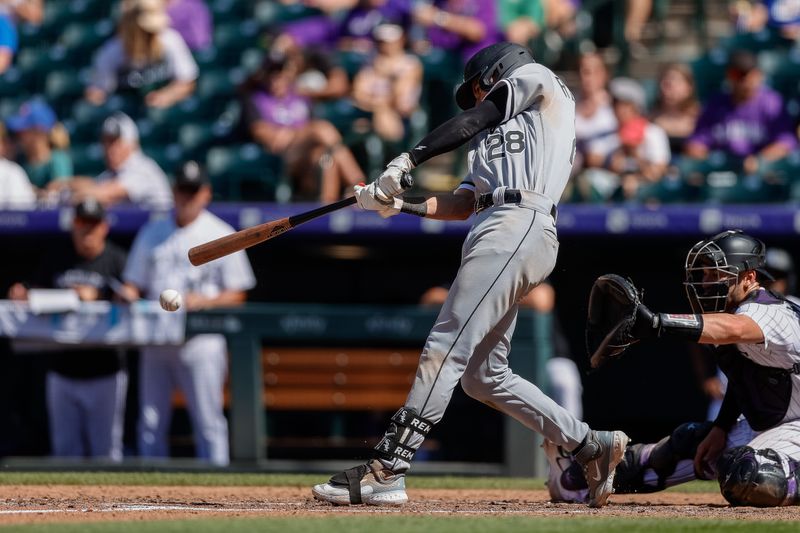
(17, 488)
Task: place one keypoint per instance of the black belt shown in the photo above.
(510, 196)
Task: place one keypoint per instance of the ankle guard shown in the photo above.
(395, 442)
(351, 478)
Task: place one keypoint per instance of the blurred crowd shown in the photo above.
(298, 100)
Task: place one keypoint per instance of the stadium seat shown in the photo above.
(252, 59)
(82, 40)
(169, 157)
(87, 159)
(766, 39)
(12, 83)
(36, 64)
(730, 187)
(784, 77)
(709, 72)
(244, 171)
(225, 11)
(231, 39)
(63, 87)
(216, 88)
(269, 13)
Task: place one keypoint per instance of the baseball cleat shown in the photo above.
(565, 481)
(599, 458)
(370, 483)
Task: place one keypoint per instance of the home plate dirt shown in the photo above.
(60, 503)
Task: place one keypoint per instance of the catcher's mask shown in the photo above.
(713, 267)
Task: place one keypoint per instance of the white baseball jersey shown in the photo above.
(534, 147)
(144, 182)
(781, 346)
(159, 260)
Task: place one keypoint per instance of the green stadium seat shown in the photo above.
(10, 104)
(36, 64)
(216, 88)
(252, 59)
(63, 87)
(231, 39)
(169, 157)
(244, 171)
(767, 39)
(195, 138)
(709, 72)
(269, 13)
(729, 187)
(225, 11)
(82, 40)
(785, 76)
(87, 159)
(207, 59)
(12, 83)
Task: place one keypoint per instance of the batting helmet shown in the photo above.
(713, 266)
(488, 66)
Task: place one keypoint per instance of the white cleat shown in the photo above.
(370, 483)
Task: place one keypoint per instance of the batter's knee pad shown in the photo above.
(759, 478)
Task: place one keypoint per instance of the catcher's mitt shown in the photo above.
(613, 305)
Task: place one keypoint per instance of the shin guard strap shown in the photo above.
(352, 479)
(390, 448)
(410, 419)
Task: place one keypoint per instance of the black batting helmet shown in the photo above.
(489, 65)
(729, 254)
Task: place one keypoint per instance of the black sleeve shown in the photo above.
(462, 127)
(729, 411)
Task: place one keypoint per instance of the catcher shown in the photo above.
(753, 446)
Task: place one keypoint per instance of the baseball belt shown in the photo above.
(537, 201)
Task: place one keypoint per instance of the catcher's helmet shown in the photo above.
(728, 254)
(489, 65)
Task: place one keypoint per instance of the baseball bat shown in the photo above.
(243, 239)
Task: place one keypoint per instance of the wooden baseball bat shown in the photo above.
(242, 239)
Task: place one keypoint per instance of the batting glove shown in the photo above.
(389, 183)
(366, 199)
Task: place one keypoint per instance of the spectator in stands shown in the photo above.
(677, 108)
(563, 376)
(31, 11)
(16, 190)
(43, 143)
(280, 120)
(192, 20)
(131, 176)
(389, 86)
(461, 27)
(594, 116)
(522, 20)
(146, 57)
(636, 154)
(748, 122)
(158, 261)
(9, 41)
(356, 31)
(320, 76)
(636, 14)
(86, 387)
(754, 16)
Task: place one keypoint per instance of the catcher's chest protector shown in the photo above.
(763, 393)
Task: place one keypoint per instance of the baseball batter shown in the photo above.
(753, 446)
(520, 121)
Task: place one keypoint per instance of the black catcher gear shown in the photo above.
(713, 266)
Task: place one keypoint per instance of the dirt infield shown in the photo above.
(60, 503)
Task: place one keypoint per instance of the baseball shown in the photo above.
(170, 300)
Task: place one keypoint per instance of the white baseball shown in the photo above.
(170, 300)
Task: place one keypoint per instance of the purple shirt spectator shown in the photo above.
(290, 111)
(745, 129)
(192, 19)
(364, 18)
(484, 10)
(311, 31)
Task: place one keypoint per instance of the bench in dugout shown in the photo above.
(330, 399)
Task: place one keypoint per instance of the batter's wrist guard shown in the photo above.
(394, 444)
(688, 327)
